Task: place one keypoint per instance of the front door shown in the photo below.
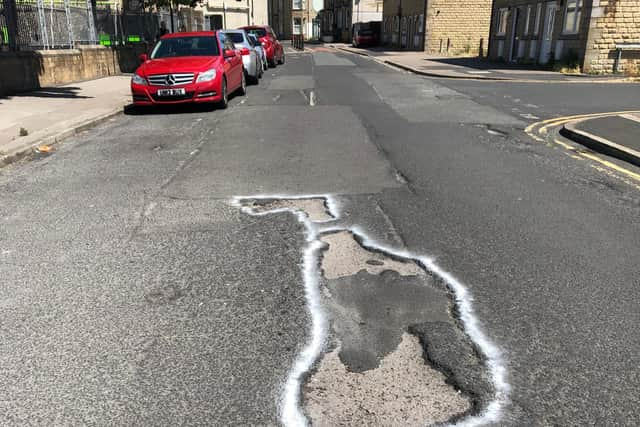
(547, 33)
(513, 52)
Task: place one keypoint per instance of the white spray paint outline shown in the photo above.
(291, 412)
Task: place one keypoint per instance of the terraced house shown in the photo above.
(599, 36)
(445, 27)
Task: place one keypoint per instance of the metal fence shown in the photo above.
(59, 24)
(51, 24)
(116, 28)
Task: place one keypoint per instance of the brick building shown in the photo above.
(232, 13)
(288, 17)
(585, 33)
(451, 27)
(338, 16)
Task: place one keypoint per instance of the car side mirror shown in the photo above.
(229, 53)
(144, 57)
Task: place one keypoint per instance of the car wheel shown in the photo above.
(242, 90)
(224, 102)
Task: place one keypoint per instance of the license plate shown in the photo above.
(170, 92)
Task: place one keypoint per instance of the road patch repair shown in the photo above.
(394, 339)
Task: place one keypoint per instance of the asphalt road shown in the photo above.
(133, 292)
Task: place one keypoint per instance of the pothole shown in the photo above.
(362, 301)
(314, 208)
(346, 257)
(403, 390)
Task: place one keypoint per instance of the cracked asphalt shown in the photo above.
(133, 293)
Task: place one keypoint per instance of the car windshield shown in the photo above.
(365, 32)
(186, 46)
(236, 38)
(258, 32)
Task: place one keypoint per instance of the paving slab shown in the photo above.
(50, 114)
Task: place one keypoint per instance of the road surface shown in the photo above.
(347, 243)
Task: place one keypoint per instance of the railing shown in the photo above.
(297, 41)
(60, 24)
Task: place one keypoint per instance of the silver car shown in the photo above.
(258, 46)
(250, 56)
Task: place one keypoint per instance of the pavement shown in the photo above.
(342, 224)
(617, 135)
(49, 115)
(469, 67)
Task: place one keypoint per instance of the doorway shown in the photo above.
(547, 33)
(513, 51)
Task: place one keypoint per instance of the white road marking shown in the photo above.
(291, 411)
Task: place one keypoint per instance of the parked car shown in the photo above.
(365, 34)
(260, 49)
(268, 39)
(250, 57)
(189, 67)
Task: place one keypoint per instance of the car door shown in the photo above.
(278, 47)
(226, 62)
(233, 66)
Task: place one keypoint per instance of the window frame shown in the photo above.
(577, 16)
(503, 18)
(527, 22)
(299, 26)
(536, 27)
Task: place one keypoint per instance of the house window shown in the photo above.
(297, 26)
(536, 28)
(503, 18)
(298, 4)
(572, 13)
(527, 21)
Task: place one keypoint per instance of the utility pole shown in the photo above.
(171, 14)
(11, 14)
(224, 14)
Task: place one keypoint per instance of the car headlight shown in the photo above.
(207, 76)
(136, 79)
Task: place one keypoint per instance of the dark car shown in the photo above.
(365, 34)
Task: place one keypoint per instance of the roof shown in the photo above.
(249, 27)
(189, 34)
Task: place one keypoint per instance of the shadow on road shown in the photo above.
(50, 92)
(133, 110)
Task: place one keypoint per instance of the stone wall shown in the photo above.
(613, 22)
(458, 27)
(25, 71)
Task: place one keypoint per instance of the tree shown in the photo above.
(172, 4)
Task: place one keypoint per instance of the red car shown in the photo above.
(189, 67)
(364, 37)
(272, 47)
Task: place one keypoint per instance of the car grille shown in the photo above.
(176, 79)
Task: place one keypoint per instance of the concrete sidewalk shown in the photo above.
(617, 135)
(469, 68)
(30, 119)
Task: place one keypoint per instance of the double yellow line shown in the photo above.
(539, 131)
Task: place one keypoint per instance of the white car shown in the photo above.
(250, 56)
